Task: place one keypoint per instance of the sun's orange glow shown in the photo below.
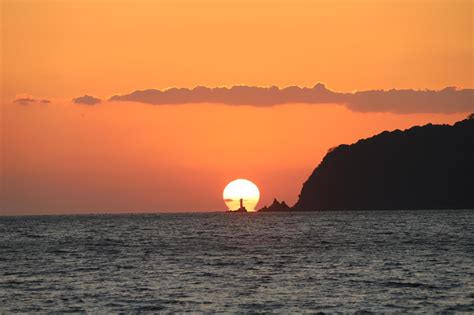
(52, 49)
(241, 189)
(57, 156)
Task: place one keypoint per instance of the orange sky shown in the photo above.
(68, 158)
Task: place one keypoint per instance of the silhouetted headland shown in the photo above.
(428, 167)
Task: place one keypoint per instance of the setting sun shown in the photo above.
(339, 134)
(241, 189)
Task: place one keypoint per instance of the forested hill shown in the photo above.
(428, 167)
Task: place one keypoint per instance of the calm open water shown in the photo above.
(388, 261)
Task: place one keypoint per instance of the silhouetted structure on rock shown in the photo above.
(241, 209)
(429, 167)
(276, 207)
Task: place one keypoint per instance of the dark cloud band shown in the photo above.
(448, 100)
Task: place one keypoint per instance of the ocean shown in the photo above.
(374, 261)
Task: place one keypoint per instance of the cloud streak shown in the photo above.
(30, 100)
(448, 100)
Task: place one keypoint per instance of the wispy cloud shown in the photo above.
(448, 100)
(27, 100)
(86, 100)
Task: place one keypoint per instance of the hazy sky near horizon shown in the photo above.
(83, 156)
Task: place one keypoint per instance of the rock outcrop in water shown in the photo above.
(276, 206)
(428, 167)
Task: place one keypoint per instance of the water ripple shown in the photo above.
(361, 262)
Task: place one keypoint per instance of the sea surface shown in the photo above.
(377, 261)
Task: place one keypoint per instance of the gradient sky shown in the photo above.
(62, 157)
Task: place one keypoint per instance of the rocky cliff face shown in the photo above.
(428, 167)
